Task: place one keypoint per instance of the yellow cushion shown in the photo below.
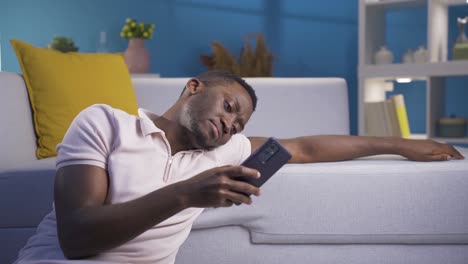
(60, 85)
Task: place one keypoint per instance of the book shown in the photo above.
(402, 116)
(370, 119)
(387, 118)
(393, 119)
(374, 119)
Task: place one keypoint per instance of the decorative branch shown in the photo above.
(251, 64)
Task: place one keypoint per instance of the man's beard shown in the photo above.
(190, 122)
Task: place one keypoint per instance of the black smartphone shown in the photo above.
(267, 159)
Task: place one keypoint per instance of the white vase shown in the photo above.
(420, 56)
(383, 56)
(408, 57)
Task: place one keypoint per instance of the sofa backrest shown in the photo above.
(287, 107)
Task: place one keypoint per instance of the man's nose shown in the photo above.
(227, 124)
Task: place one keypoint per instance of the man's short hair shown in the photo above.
(221, 78)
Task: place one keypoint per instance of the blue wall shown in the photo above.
(305, 37)
(308, 38)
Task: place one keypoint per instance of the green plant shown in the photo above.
(133, 29)
(63, 44)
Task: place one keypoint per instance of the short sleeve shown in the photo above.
(88, 140)
(234, 152)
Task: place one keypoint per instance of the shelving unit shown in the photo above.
(375, 80)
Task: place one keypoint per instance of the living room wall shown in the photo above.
(308, 38)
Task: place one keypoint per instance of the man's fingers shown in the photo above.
(440, 157)
(227, 203)
(236, 171)
(455, 153)
(243, 187)
(237, 198)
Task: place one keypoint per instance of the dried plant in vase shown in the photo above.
(222, 59)
(257, 63)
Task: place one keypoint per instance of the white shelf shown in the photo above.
(463, 140)
(454, 2)
(396, 4)
(375, 80)
(401, 4)
(418, 136)
(438, 69)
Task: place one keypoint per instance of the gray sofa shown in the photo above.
(381, 209)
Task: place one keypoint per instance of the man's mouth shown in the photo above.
(215, 130)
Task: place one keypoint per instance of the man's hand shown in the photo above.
(427, 150)
(218, 188)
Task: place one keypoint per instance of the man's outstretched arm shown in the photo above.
(338, 148)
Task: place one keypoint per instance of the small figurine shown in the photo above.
(420, 56)
(408, 57)
(383, 56)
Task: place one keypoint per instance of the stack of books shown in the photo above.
(387, 118)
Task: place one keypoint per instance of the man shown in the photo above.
(128, 188)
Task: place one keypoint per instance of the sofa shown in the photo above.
(380, 209)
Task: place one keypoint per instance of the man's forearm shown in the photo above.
(337, 148)
(92, 230)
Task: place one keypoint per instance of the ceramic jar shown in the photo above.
(137, 56)
(420, 56)
(383, 56)
(408, 57)
(451, 127)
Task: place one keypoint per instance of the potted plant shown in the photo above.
(63, 44)
(136, 55)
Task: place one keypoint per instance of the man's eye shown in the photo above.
(234, 130)
(227, 106)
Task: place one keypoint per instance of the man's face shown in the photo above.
(213, 115)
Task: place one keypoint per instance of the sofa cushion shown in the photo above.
(60, 85)
(377, 200)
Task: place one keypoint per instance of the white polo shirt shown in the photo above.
(138, 159)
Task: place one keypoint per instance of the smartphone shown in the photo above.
(267, 159)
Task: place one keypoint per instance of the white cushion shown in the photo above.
(381, 199)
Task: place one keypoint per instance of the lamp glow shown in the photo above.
(404, 80)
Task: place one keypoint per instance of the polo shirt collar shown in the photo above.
(146, 122)
(148, 127)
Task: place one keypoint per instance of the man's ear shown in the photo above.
(194, 86)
